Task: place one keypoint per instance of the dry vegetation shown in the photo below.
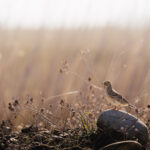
(39, 67)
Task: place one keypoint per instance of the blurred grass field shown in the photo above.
(30, 61)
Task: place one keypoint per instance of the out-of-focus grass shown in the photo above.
(30, 61)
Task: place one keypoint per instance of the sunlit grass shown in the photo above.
(30, 62)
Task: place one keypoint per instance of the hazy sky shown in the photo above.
(34, 13)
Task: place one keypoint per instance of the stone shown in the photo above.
(124, 145)
(123, 125)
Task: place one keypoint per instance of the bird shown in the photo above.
(114, 97)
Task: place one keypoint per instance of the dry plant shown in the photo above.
(79, 116)
(90, 56)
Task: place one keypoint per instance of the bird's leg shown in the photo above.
(116, 107)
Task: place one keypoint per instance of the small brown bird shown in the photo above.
(114, 98)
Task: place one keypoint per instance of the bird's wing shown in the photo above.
(117, 96)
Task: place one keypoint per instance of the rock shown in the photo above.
(29, 128)
(124, 145)
(13, 140)
(122, 126)
(44, 131)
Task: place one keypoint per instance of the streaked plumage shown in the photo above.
(113, 97)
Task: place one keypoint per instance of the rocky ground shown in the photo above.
(34, 138)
